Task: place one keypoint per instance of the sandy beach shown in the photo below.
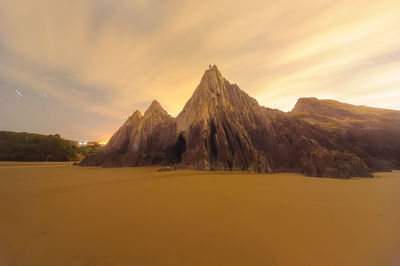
(58, 214)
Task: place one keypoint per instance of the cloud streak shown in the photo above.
(102, 59)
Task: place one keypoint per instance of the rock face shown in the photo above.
(223, 128)
(372, 134)
(148, 139)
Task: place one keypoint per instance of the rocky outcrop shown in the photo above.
(370, 133)
(223, 128)
(150, 139)
(215, 123)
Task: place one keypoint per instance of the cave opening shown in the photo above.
(180, 148)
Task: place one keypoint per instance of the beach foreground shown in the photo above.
(57, 214)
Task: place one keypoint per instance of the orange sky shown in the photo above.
(80, 68)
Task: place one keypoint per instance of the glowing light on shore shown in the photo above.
(103, 143)
(83, 143)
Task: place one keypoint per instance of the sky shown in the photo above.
(81, 67)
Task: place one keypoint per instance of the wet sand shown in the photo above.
(55, 214)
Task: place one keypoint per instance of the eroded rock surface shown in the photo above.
(222, 128)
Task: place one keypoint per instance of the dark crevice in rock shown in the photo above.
(124, 147)
(212, 141)
(229, 139)
(180, 148)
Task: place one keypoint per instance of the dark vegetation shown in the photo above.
(36, 147)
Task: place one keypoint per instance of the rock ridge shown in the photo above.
(222, 128)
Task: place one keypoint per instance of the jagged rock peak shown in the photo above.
(134, 118)
(155, 105)
(212, 72)
(137, 114)
(155, 109)
(223, 128)
(212, 81)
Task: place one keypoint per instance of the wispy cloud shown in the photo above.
(106, 58)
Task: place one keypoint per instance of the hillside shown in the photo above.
(16, 146)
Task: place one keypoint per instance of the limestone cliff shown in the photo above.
(222, 128)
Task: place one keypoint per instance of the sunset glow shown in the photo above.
(211, 132)
(79, 68)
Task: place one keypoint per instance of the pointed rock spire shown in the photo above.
(156, 110)
(213, 72)
(155, 104)
(137, 114)
(212, 81)
(222, 128)
(134, 118)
